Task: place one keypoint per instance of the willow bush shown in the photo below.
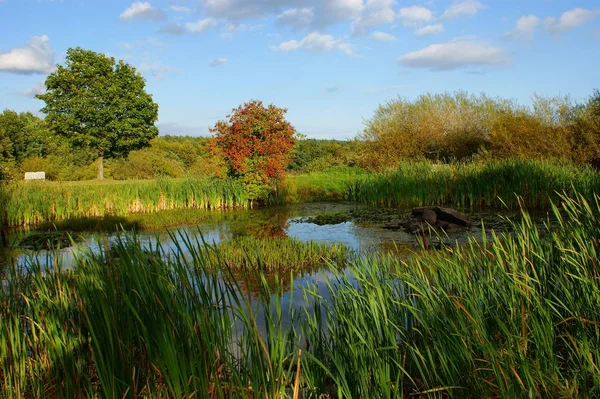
(457, 126)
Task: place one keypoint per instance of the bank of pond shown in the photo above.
(314, 301)
(502, 183)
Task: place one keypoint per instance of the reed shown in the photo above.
(475, 184)
(329, 185)
(516, 315)
(280, 255)
(37, 202)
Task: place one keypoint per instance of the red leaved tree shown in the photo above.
(255, 143)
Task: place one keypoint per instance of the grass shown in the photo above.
(38, 202)
(492, 183)
(512, 316)
(280, 255)
(328, 185)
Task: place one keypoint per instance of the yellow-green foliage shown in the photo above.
(36, 202)
(457, 126)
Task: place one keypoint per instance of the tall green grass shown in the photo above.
(512, 316)
(36, 202)
(328, 185)
(474, 184)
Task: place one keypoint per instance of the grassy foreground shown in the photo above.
(37, 202)
(514, 316)
(474, 184)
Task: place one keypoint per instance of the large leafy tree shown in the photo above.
(101, 104)
(255, 142)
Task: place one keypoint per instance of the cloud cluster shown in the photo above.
(430, 30)
(414, 15)
(570, 20)
(37, 56)
(466, 7)
(455, 54)
(524, 27)
(383, 37)
(143, 11)
(315, 43)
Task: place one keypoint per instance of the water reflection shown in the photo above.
(363, 232)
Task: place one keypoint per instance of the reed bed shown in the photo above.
(327, 185)
(37, 202)
(475, 184)
(279, 255)
(516, 315)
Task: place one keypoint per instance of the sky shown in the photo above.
(329, 62)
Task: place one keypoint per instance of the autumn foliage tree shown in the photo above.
(255, 143)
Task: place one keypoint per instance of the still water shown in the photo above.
(360, 227)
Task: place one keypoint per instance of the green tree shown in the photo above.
(28, 134)
(5, 147)
(101, 104)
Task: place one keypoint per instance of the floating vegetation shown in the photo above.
(281, 255)
(327, 219)
(48, 240)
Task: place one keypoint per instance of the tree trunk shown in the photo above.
(100, 166)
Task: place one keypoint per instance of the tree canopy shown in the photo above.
(255, 143)
(101, 104)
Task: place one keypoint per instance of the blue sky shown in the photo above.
(330, 62)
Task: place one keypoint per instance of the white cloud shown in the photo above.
(414, 15)
(383, 37)
(39, 88)
(466, 7)
(141, 10)
(325, 12)
(217, 61)
(200, 25)
(454, 55)
(343, 9)
(297, 18)
(524, 27)
(315, 43)
(35, 57)
(183, 9)
(430, 30)
(235, 27)
(376, 12)
(570, 20)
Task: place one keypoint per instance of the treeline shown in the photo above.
(28, 145)
(440, 127)
(457, 126)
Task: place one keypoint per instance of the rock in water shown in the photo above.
(429, 216)
(452, 216)
(446, 219)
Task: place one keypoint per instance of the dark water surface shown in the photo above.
(359, 227)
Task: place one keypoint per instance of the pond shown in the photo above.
(362, 228)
